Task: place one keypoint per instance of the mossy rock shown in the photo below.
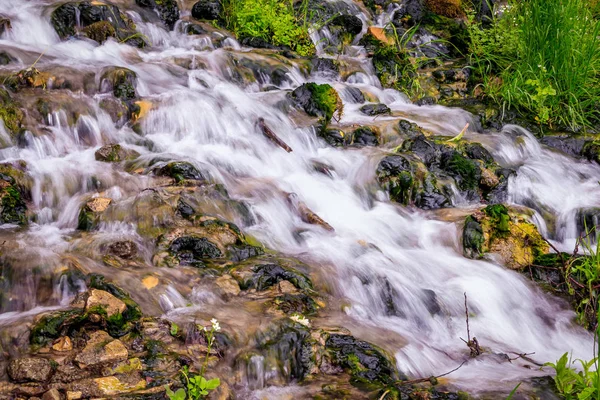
(121, 81)
(320, 101)
(395, 173)
(180, 171)
(15, 186)
(368, 366)
(498, 230)
(98, 21)
(114, 153)
(11, 114)
(265, 276)
(91, 212)
(100, 31)
(446, 8)
(466, 172)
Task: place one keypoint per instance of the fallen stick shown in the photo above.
(272, 136)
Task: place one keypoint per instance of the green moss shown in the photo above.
(500, 219)
(50, 327)
(400, 187)
(10, 113)
(473, 238)
(465, 171)
(100, 31)
(325, 99)
(13, 207)
(132, 312)
(86, 220)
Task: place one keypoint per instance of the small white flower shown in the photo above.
(205, 329)
(300, 319)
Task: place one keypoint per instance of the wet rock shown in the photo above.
(410, 13)
(5, 25)
(100, 31)
(320, 101)
(365, 136)
(425, 149)
(10, 113)
(167, 10)
(570, 145)
(375, 109)
(98, 21)
(326, 67)
(409, 129)
(51, 326)
(180, 171)
(90, 213)
(395, 174)
(509, 235)
(243, 252)
(350, 24)
(192, 250)
(207, 9)
(109, 303)
(476, 151)
(335, 137)
(6, 58)
(451, 75)
(114, 153)
(430, 196)
(30, 369)
(266, 275)
(125, 249)
(13, 209)
(591, 151)
(121, 81)
(465, 172)
(194, 29)
(101, 349)
(228, 286)
(366, 363)
(355, 95)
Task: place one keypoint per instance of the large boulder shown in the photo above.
(505, 233)
(207, 9)
(96, 20)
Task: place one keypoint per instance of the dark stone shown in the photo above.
(591, 151)
(207, 9)
(476, 151)
(431, 301)
(125, 249)
(465, 172)
(375, 109)
(335, 137)
(184, 209)
(365, 136)
(373, 367)
(451, 75)
(410, 13)
(30, 369)
(325, 67)
(259, 43)
(167, 10)
(354, 95)
(570, 145)
(426, 101)
(296, 303)
(194, 29)
(122, 82)
(409, 129)
(290, 343)
(430, 197)
(395, 175)
(180, 171)
(192, 250)
(244, 252)
(316, 100)
(426, 150)
(349, 23)
(267, 275)
(5, 58)
(64, 20)
(473, 238)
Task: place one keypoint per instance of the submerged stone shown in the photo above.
(180, 171)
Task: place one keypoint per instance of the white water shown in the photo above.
(198, 115)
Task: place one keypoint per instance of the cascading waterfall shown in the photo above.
(394, 268)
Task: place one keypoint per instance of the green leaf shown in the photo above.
(512, 393)
(178, 395)
(586, 393)
(174, 329)
(213, 384)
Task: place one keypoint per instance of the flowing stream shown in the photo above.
(379, 252)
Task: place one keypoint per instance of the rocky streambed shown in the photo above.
(156, 173)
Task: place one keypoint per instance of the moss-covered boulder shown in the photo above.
(96, 20)
(168, 10)
(114, 153)
(446, 8)
(120, 81)
(207, 9)
(90, 213)
(15, 188)
(505, 233)
(180, 171)
(316, 100)
(396, 175)
(10, 113)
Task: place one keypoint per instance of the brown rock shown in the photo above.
(100, 298)
(29, 369)
(62, 344)
(286, 287)
(227, 286)
(74, 395)
(98, 204)
(488, 179)
(125, 249)
(52, 394)
(100, 349)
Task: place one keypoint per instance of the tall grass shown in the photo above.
(277, 22)
(543, 58)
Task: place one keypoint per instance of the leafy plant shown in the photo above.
(574, 384)
(196, 385)
(542, 58)
(275, 21)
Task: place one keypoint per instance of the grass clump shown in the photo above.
(275, 21)
(542, 58)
